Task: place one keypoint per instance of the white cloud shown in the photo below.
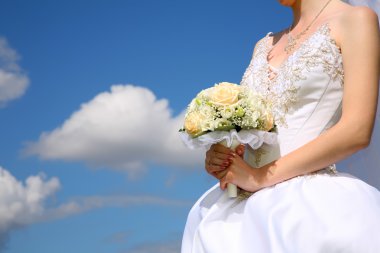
(22, 203)
(127, 128)
(13, 82)
(84, 204)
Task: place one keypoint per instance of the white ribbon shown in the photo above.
(254, 138)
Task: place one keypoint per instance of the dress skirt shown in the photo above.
(318, 213)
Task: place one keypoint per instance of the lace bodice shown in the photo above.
(306, 89)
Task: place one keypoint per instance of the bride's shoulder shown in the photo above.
(262, 41)
(348, 21)
(354, 14)
(267, 40)
(259, 44)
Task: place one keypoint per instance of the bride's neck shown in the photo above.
(304, 11)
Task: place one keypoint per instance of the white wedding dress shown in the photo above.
(324, 212)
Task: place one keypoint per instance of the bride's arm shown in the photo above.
(359, 40)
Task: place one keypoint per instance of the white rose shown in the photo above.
(269, 122)
(193, 123)
(224, 94)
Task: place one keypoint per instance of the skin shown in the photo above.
(356, 32)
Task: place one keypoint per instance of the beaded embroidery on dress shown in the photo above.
(319, 48)
(326, 211)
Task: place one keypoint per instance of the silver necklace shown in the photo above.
(292, 41)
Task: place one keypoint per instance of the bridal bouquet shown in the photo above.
(229, 114)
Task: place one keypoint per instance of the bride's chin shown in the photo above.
(287, 2)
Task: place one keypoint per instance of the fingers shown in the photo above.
(216, 160)
(221, 162)
(224, 181)
(218, 156)
(216, 166)
(240, 150)
(218, 151)
(219, 148)
(221, 174)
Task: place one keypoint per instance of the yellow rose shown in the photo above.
(224, 94)
(193, 123)
(269, 122)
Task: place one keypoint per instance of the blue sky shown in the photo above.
(90, 82)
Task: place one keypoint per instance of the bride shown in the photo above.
(321, 75)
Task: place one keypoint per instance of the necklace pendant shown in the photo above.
(292, 41)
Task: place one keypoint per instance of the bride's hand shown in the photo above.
(240, 173)
(219, 157)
